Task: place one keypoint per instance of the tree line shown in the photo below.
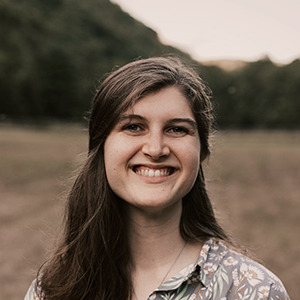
(53, 54)
(259, 95)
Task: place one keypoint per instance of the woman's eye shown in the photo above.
(133, 127)
(178, 130)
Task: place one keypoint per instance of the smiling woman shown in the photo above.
(152, 154)
(139, 223)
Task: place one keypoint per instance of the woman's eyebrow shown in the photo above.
(130, 117)
(191, 122)
(125, 117)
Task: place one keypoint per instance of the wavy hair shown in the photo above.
(93, 259)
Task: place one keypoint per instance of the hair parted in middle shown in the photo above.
(93, 260)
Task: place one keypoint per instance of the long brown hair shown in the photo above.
(93, 259)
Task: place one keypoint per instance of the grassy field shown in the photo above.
(253, 179)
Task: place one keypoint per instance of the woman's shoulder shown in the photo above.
(34, 291)
(243, 275)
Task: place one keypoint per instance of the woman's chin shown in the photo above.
(155, 207)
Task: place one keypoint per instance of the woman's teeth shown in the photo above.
(153, 172)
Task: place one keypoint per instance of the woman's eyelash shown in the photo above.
(132, 127)
(179, 129)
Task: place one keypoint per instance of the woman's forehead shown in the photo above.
(169, 100)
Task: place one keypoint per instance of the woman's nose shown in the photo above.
(155, 146)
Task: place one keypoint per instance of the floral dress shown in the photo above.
(219, 273)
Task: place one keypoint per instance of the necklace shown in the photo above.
(169, 270)
(173, 264)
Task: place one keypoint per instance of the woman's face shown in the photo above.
(152, 154)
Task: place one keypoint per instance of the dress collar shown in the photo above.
(202, 270)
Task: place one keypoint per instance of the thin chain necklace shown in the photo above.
(169, 270)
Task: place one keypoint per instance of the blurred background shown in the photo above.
(53, 55)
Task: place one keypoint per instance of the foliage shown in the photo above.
(258, 95)
(53, 53)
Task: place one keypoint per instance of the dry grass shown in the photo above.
(253, 178)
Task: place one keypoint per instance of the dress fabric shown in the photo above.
(219, 273)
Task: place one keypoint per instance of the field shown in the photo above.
(252, 177)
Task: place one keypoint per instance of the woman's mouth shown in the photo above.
(153, 172)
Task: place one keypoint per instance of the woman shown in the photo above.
(139, 223)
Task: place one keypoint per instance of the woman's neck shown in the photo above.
(154, 237)
(157, 249)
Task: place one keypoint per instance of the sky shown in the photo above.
(224, 29)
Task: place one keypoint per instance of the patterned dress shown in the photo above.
(219, 273)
